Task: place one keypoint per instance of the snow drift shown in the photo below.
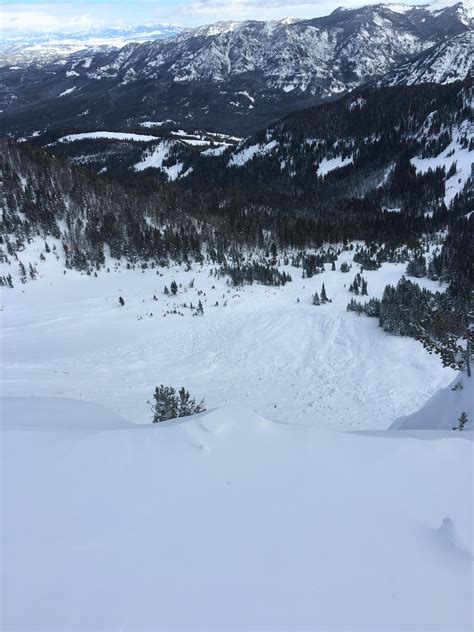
(229, 521)
(443, 410)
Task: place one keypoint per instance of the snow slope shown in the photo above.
(58, 413)
(242, 157)
(227, 521)
(456, 154)
(330, 164)
(285, 359)
(443, 410)
(156, 157)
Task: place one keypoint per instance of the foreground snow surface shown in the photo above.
(229, 521)
(65, 335)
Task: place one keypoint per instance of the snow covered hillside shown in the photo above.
(254, 346)
(228, 521)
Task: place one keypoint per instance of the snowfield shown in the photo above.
(228, 521)
(330, 164)
(248, 153)
(454, 153)
(109, 135)
(289, 361)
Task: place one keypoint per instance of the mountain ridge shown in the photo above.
(237, 77)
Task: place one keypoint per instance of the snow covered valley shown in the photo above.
(257, 514)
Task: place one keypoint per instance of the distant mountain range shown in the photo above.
(237, 77)
(39, 47)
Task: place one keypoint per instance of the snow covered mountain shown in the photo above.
(237, 77)
(444, 63)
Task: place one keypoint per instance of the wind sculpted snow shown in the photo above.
(229, 521)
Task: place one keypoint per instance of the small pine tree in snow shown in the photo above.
(22, 272)
(166, 291)
(187, 405)
(173, 288)
(452, 170)
(316, 300)
(324, 298)
(462, 421)
(364, 287)
(355, 286)
(168, 404)
(121, 301)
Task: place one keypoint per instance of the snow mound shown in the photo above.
(231, 418)
(442, 411)
(62, 413)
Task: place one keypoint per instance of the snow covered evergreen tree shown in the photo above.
(169, 404)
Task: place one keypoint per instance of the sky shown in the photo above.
(62, 15)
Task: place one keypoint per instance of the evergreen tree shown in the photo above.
(462, 421)
(417, 267)
(324, 298)
(22, 272)
(173, 288)
(121, 301)
(316, 300)
(188, 406)
(168, 404)
(355, 286)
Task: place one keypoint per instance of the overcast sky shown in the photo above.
(37, 15)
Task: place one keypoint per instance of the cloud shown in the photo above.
(44, 17)
(211, 10)
(193, 12)
(52, 16)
